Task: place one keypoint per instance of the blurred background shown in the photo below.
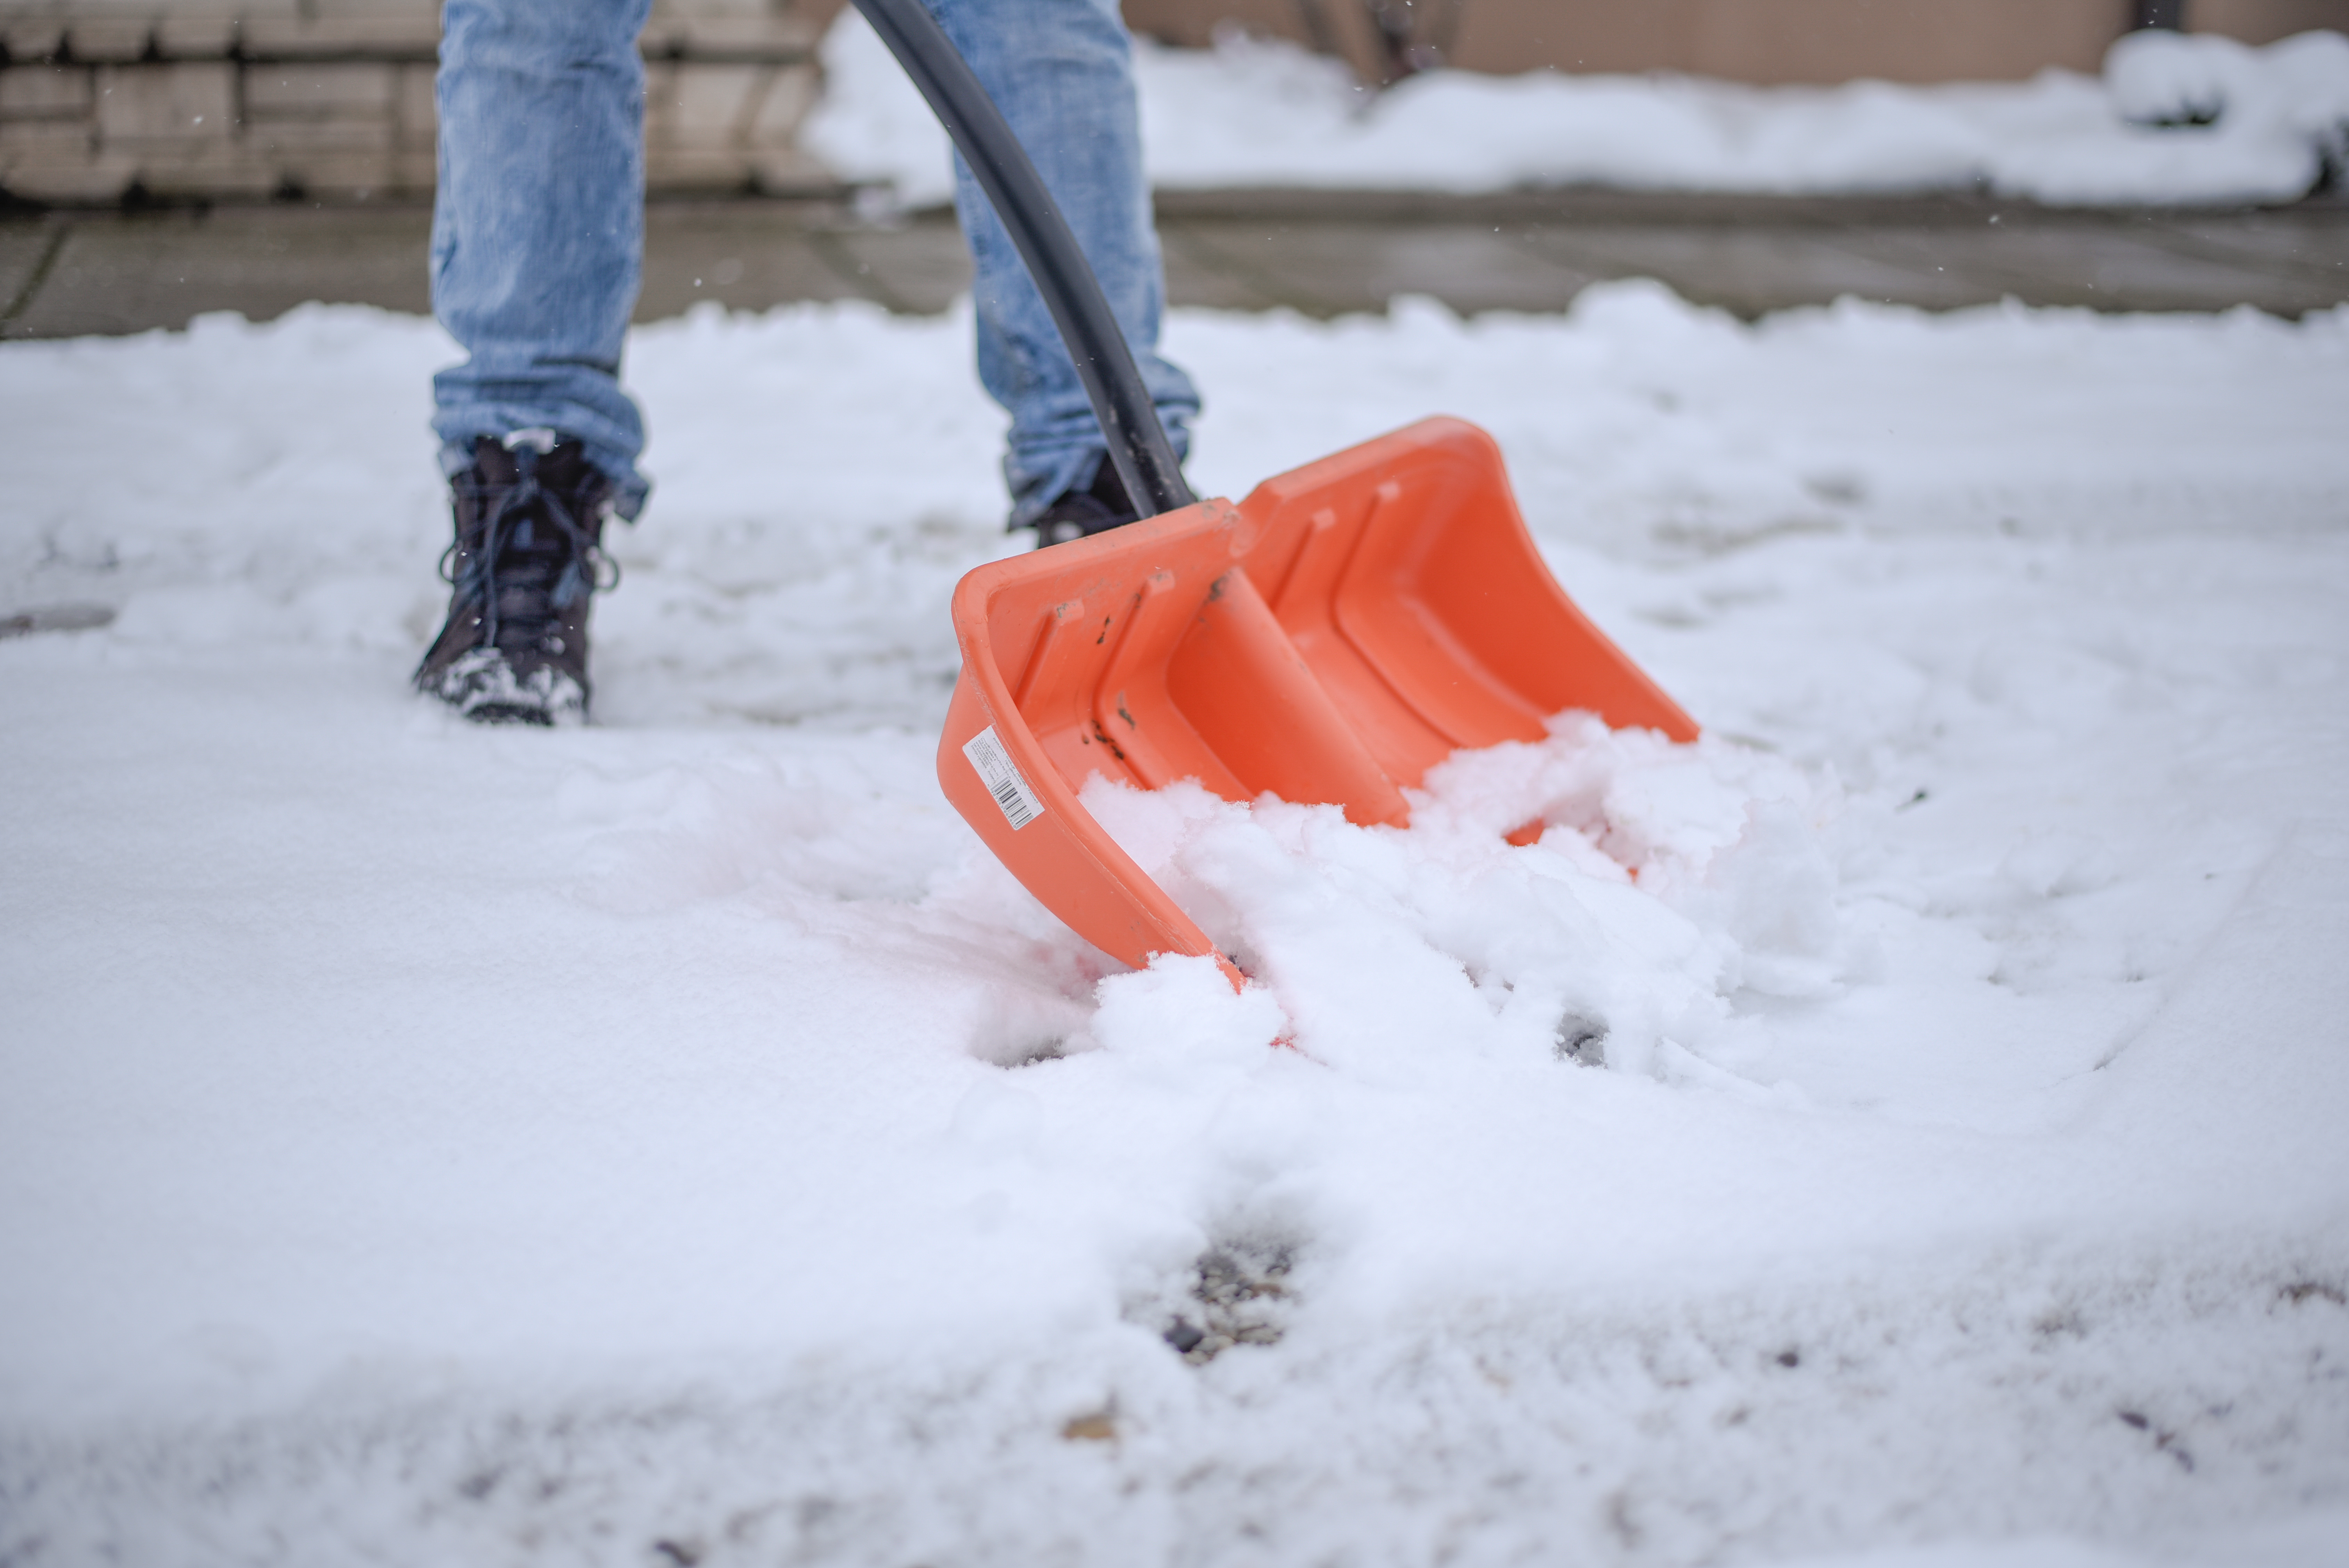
(162, 159)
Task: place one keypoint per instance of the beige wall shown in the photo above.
(1764, 41)
(1793, 41)
(2265, 21)
(1790, 40)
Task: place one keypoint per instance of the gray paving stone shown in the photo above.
(1199, 275)
(1325, 268)
(120, 272)
(735, 253)
(2314, 247)
(1749, 271)
(920, 266)
(26, 252)
(2109, 270)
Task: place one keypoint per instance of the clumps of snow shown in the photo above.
(2175, 118)
(1665, 880)
(1179, 1016)
(2298, 87)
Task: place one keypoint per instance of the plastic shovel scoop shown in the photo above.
(1326, 640)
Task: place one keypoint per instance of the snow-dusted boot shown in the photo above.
(527, 556)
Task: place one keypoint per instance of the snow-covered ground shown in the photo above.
(2174, 119)
(675, 1141)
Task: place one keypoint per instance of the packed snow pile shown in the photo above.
(2176, 118)
(1902, 1127)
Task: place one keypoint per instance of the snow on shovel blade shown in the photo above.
(1347, 626)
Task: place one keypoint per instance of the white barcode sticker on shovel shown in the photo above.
(1002, 779)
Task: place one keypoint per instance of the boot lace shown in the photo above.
(524, 582)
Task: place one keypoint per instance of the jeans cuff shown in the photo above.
(629, 487)
(1036, 479)
(1035, 489)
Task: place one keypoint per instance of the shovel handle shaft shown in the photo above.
(1138, 447)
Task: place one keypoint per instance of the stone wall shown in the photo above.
(102, 102)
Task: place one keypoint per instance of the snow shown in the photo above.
(2175, 119)
(675, 1140)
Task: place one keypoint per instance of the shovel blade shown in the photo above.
(1350, 624)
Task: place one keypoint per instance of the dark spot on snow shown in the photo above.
(1709, 538)
(1790, 1358)
(1919, 799)
(2060, 1323)
(744, 1521)
(684, 1553)
(56, 618)
(2164, 1441)
(1238, 1291)
(1626, 1529)
(477, 1485)
(2307, 1289)
(1579, 1040)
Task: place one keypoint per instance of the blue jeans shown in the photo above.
(538, 227)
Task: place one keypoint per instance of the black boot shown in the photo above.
(529, 522)
(1082, 513)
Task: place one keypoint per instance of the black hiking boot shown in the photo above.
(1082, 513)
(529, 524)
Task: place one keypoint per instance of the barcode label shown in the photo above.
(993, 764)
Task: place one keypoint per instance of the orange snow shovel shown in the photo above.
(1328, 640)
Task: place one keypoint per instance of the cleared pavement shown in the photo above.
(66, 273)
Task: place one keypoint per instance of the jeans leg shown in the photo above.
(538, 225)
(1062, 73)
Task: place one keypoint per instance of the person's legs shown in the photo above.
(537, 247)
(538, 226)
(1061, 72)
